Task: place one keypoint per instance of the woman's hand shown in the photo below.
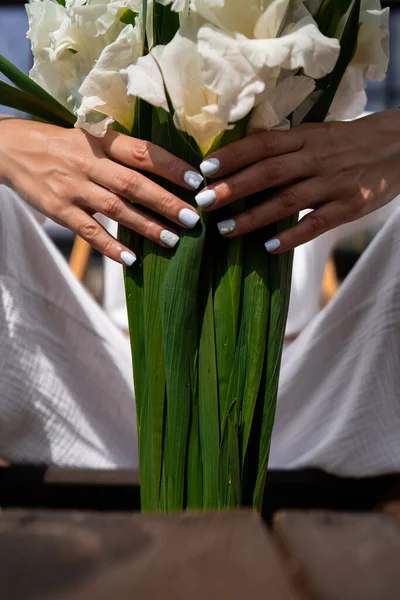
(341, 170)
(69, 176)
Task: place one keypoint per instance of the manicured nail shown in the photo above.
(193, 179)
(227, 226)
(272, 245)
(168, 238)
(188, 217)
(206, 198)
(127, 258)
(210, 166)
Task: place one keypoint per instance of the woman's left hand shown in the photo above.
(341, 170)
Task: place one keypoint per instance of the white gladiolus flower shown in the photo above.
(370, 61)
(203, 114)
(95, 17)
(267, 35)
(78, 52)
(215, 75)
(104, 89)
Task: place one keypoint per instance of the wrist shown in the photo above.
(7, 126)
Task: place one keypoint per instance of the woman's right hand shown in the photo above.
(69, 176)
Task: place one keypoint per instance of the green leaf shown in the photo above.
(280, 275)
(348, 45)
(18, 100)
(227, 296)
(166, 24)
(128, 16)
(329, 15)
(255, 316)
(229, 464)
(26, 84)
(208, 388)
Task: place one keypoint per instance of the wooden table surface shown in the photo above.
(233, 556)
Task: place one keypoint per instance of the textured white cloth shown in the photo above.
(339, 401)
(65, 375)
(66, 393)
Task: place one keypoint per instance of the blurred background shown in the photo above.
(381, 95)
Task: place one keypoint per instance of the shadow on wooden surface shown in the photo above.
(83, 489)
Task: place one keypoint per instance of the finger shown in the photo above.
(116, 208)
(251, 149)
(266, 174)
(311, 226)
(288, 201)
(138, 189)
(92, 232)
(146, 156)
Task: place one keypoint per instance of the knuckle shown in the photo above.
(317, 224)
(148, 231)
(165, 204)
(173, 166)
(141, 151)
(127, 183)
(289, 200)
(112, 206)
(88, 231)
(252, 220)
(273, 170)
(236, 154)
(107, 247)
(268, 143)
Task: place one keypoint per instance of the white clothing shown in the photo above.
(66, 392)
(65, 372)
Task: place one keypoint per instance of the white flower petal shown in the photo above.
(228, 73)
(230, 15)
(144, 80)
(351, 98)
(372, 54)
(280, 103)
(271, 21)
(106, 83)
(302, 46)
(91, 118)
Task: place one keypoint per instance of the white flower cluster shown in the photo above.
(229, 58)
(79, 51)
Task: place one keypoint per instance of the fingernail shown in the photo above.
(210, 166)
(188, 217)
(272, 245)
(227, 226)
(206, 198)
(127, 258)
(193, 179)
(168, 238)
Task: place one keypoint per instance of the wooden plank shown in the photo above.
(334, 556)
(60, 556)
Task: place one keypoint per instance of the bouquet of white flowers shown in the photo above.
(207, 320)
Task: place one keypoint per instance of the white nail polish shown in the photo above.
(188, 217)
(127, 258)
(168, 238)
(272, 245)
(206, 198)
(210, 166)
(227, 226)
(193, 179)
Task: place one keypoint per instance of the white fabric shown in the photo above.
(339, 403)
(66, 393)
(65, 374)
